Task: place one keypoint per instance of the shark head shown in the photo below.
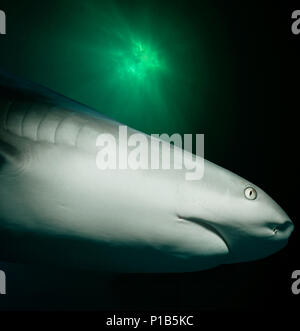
(248, 221)
(117, 220)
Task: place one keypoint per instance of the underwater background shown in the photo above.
(219, 68)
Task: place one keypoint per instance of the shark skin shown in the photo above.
(58, 208)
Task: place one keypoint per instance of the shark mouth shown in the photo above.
(207, 226)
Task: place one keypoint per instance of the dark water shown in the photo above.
(215, 68)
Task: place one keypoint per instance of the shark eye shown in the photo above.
(275, 230)
(250, 193)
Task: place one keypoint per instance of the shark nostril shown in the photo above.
(285, 228)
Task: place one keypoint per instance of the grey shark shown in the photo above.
(57, 208)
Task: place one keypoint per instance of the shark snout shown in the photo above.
(284, 230)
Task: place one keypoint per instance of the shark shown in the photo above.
(58, 208)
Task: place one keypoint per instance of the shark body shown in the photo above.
(56, 207)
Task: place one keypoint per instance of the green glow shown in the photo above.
(139, 61)
(146, 69)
